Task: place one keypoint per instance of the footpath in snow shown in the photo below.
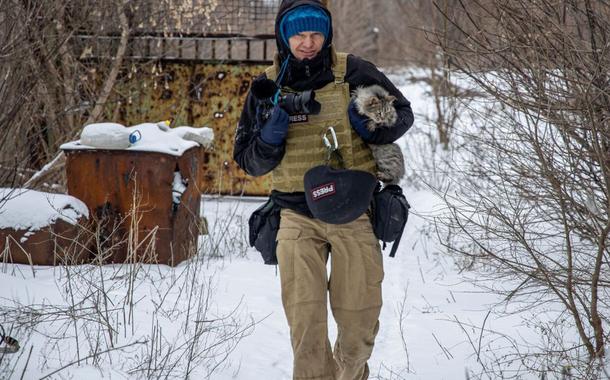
(423, 297)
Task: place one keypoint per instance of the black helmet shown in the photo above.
(338, 196)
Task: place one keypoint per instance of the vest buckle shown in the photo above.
(332, 147)
(335, 144)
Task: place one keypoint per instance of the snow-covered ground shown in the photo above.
(424, 297)
(431, 321)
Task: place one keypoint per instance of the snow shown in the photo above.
(148, 137)
(436, 323)
(105, 136)
(33, 210)
(435, 297)
(178, 187)
(437, 306)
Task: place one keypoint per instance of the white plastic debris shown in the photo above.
(163, 125)
(151, 137)
(178, 187)
(105, 136)
(203, 136)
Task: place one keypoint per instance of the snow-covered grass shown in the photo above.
(139, 321)
(430, 322)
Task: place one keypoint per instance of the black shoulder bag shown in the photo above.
(263, 226)
(390, 214)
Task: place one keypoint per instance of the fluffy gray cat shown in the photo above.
(376, 103)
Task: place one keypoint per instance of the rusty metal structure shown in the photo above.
(59, 243)
(129, 196)
(195, 94)
(193, 66)
(222, 48)
(194, 69)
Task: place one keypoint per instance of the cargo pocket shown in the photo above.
(360, 275)
(286, 243)
(377, 274)
(287, 233)
(374, 266)
(372, 259)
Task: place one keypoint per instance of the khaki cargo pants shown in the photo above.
(354, 286)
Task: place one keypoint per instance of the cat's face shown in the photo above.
(378, 109)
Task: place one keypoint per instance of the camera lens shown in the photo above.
(300, 103)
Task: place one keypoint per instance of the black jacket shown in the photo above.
(257, 158)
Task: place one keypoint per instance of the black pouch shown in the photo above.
(263, 226)
(390, 211)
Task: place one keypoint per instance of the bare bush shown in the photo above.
(228, 229)
(145, 321)
(531, 207)
(47, 92)
(61, 61)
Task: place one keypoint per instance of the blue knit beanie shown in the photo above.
(306, 18)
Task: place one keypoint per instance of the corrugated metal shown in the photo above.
(249, 17)
(195, 94)
(198, 47)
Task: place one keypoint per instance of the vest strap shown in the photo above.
(339, 67)
(271, 71)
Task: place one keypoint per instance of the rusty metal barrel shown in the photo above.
(132, 197)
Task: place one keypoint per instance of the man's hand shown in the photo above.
(358, 122)
(276, 127)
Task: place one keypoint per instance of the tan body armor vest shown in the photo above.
(304, 145)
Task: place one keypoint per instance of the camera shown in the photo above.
(293, 103)
(300, 103)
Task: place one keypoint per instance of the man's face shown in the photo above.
(306, 45)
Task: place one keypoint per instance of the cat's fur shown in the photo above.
(376, 103)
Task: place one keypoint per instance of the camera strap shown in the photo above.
(278, 81)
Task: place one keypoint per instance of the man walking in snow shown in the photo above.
(289, 145)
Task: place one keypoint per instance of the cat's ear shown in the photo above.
(390, 98)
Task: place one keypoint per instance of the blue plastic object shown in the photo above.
(135, 136)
